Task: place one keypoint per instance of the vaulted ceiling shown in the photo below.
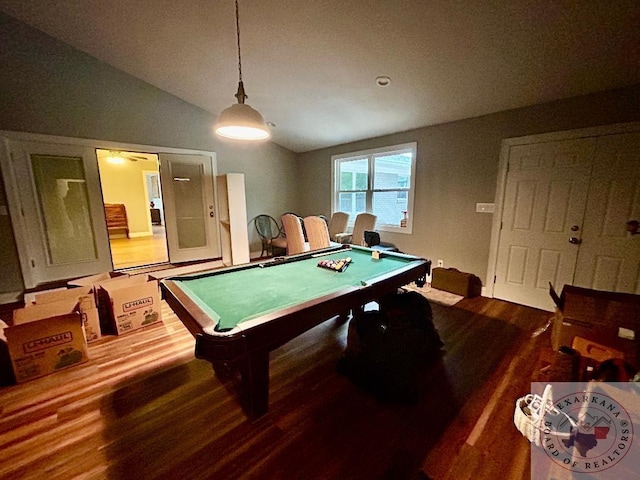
(310, 67)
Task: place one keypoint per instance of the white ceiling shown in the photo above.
(310, 66)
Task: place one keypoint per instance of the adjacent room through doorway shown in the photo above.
(134, 210)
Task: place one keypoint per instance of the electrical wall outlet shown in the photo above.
(441, 263)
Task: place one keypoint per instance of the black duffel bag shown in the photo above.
(387, 349)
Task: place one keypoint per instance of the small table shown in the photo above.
(239, 314)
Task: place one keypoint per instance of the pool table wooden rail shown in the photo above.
(245, 348)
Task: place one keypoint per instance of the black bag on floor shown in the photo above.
(386, 349)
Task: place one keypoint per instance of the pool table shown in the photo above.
(239, 314)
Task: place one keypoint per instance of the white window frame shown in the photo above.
(370, 155)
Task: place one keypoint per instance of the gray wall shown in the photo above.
(457, 166)
(48, 87)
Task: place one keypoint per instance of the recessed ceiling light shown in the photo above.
(383, 81)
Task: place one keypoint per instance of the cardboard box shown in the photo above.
(454, 281)
(607, 318)
(44, 339)
(85, 300)
(93, 280)
(102, 304)
(6, 369)
(134, 302)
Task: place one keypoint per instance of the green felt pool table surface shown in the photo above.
(235, 296)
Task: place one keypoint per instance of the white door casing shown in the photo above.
(545, 198)
(189, 206)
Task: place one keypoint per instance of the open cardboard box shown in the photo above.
(102, 304)
(86, 306)
(608, 318)
(132, 302)
(46, 338)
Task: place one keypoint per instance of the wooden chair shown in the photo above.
(292, 226)
(270, 234)
(364, 221)
(317, 232)
(338, 224)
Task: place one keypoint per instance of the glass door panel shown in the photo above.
(188, 183)
(63, 203)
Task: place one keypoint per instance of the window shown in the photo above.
(379, 181)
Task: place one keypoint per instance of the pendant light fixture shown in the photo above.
(240, 121)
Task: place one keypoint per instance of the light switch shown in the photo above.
(485, 207)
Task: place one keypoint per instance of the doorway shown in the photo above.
(131, 184)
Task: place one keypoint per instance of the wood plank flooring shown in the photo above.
(137, 251)
(144, 407)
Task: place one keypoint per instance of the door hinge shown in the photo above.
(33, 263)
(495, 277)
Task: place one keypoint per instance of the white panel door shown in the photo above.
(544, 204)
(190, 212)
(609, 257)
(57, 208)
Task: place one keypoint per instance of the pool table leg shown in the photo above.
(254, 377)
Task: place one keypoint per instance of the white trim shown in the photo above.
(101, 144)
(367, 154)
(501, 183)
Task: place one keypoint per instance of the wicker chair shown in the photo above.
(364, 222)
(292, 226)
(317, 232)
(338, 224)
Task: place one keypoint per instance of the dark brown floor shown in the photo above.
(144, 407)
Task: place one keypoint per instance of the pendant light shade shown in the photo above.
(240, 121)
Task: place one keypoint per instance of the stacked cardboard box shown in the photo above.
(46, 338)
(52, 330)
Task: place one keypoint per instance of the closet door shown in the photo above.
(609, 256)
(544, 205)
(56, 202)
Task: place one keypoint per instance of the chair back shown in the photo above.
(267, 227)
(338, 224)
(317, 232)
(292, 226)
(364, 221)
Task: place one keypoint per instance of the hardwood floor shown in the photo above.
(138, 251)
(144, 407)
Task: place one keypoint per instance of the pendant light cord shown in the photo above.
(240, 95)
(238, 37)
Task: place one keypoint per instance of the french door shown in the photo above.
(190, 211)
(57, 212)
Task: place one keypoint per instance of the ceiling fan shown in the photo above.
(114, 156)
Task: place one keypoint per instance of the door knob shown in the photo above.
(575, 240)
